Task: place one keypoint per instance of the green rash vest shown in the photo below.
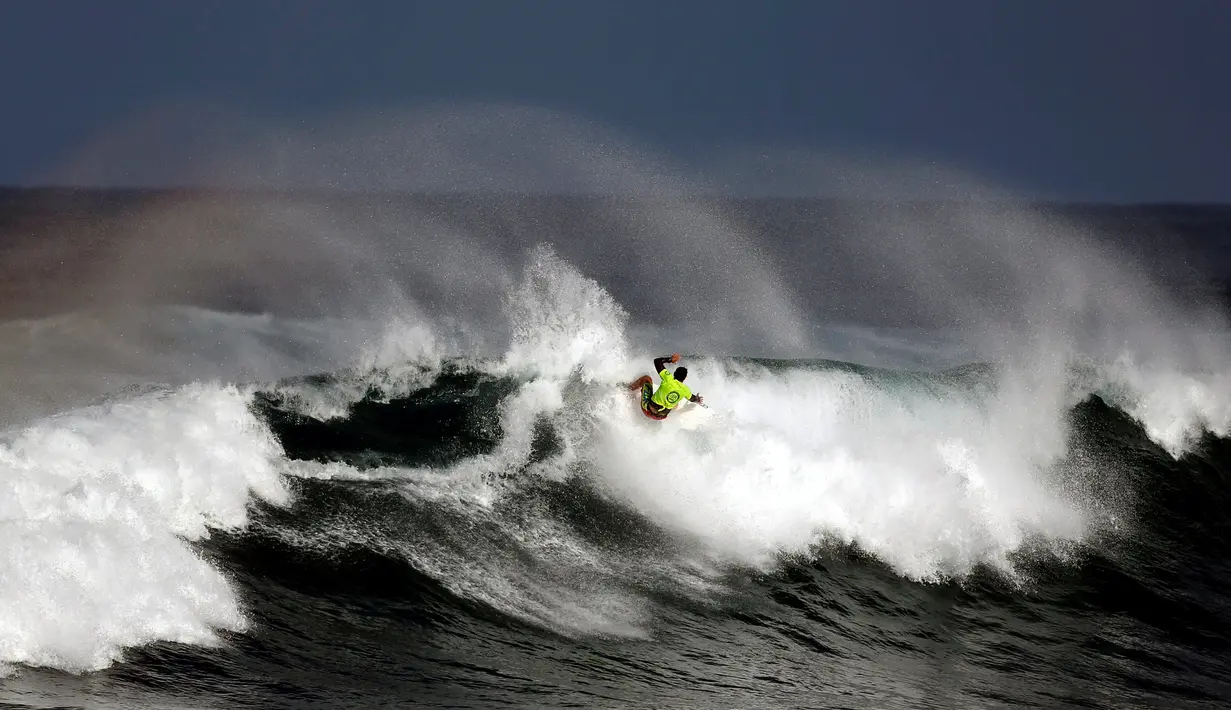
(671, 392)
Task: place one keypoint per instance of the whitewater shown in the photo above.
(932, 474)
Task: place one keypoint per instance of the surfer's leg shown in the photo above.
(641, 382)
(647, 390)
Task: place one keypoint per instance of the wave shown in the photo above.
(934, 474)
(100, 507)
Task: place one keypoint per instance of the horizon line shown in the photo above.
(690, 194)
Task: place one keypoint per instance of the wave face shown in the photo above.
(511, 531)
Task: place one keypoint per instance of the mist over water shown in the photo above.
(540, 264)
(985, 279)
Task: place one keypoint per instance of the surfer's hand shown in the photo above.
(699, 399)
(675, 357)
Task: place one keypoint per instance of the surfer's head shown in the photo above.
(680, 373)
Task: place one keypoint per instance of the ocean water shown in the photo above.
(284, 451)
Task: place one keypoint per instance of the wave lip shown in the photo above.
(100, 507)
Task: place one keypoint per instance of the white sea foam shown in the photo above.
(98, 506)
(931, 482)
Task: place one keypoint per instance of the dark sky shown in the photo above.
(1074, 99)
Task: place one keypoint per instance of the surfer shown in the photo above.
(658, 404)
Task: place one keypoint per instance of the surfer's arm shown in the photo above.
(660, 363)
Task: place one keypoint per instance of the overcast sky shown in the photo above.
(1120, 100)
